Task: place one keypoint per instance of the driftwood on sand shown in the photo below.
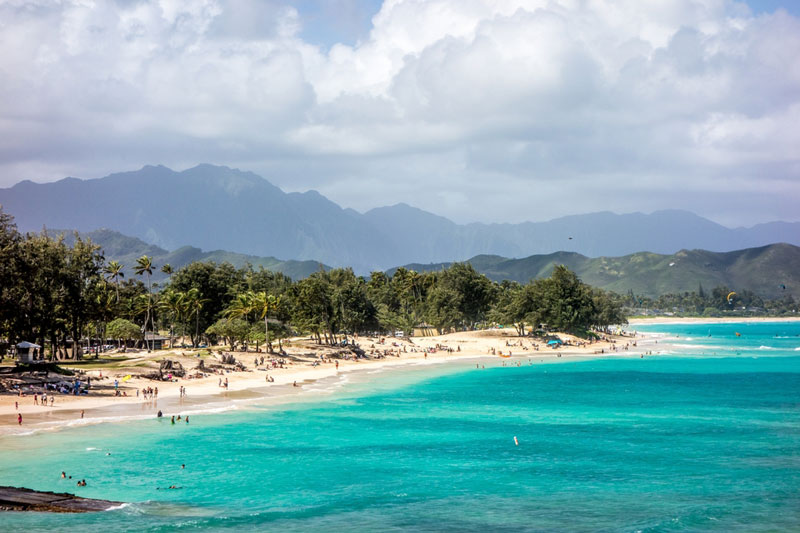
(21, 499)
(169, 366)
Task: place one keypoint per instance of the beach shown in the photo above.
(693, 428)
(711, 320)
(303, 367)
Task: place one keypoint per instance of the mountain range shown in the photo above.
(771, 271)
(126, 250)
(213, 208)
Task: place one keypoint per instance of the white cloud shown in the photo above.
(446, 104)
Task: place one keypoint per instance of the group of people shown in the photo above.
(150, 393)
(178, 419)
(81, 483)
(44, 399)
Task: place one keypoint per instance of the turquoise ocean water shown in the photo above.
(704, 436)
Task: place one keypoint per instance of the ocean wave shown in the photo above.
(210, 410)
(702, 346)
(766, 348)
(118, 507)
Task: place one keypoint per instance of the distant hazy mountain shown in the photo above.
(765, 270)
(126, 250)
(213, 207)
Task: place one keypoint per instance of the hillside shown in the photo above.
(219, 208)
(126, 250)
(764, 270)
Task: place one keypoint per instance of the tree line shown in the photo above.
(53, 292)
(719, 301)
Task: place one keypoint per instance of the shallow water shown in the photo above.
(664, 443)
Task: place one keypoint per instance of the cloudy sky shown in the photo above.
(478, 110)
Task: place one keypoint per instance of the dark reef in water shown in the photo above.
(21, 499)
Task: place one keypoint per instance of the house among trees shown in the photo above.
(28, 352)
(155, 342)
(425, 330)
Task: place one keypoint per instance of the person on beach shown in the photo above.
(160, 414)
(187, 419)
(81, 413)
(19, 419)
(35, 398)
(173, 420)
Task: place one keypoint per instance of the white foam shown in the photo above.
(118, 507)
(702, 346)
(766, 348)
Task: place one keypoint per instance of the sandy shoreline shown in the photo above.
(710, 320)
(247, 387)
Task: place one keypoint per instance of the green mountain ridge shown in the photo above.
(765, 270)
(126, 250)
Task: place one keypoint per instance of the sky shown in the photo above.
(477, 110)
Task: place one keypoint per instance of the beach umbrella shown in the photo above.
(126, 378)
(553, 342)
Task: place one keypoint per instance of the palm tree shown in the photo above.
(173, 303)
(144, 265)
(137, 306)
(262, 303)
(167, 269)
(241, 306)
(105, 307)
(194, 304)
(113, 271)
